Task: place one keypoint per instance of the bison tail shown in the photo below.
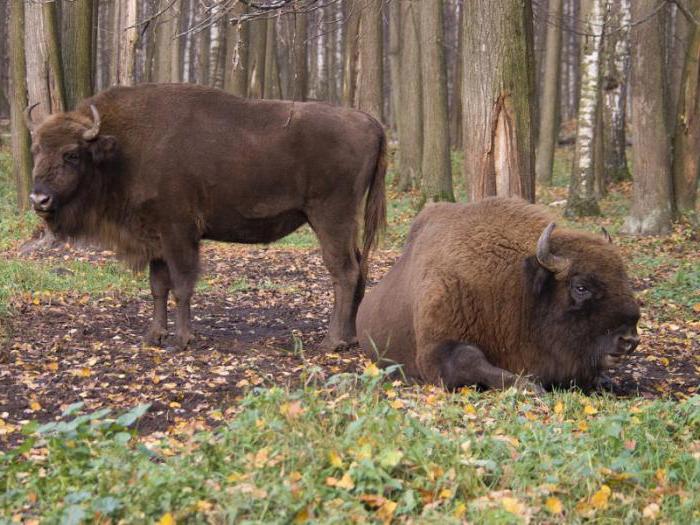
(375, 206)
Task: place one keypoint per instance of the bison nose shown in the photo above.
(41, 201)
(628, 343)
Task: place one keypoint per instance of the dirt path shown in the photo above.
(249, 323)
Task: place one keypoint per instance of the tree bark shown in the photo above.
(271, 84)
(437, 173)
(299, 47)
(456, 138)
(37, 72)
(498, 99)
(615, 81)
(203, 55)
(53, 51)
(651, 210)
(4, 68)
(410, 118)
(256, 57)
(549, 105)
(394, 58)
(216, 60)
(351, 48)
(686, 139)
(22, 165)
(127, 37)
(237, 55)
(370, 77)
(77, 48)
(582, 198)
(167, 59)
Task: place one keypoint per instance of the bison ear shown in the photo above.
(536, 276)
(103, 148)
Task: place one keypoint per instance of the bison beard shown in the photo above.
(489, 292)
(150, 171)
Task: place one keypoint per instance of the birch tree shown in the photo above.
(498, 99)
(582, 198)
(651, 211)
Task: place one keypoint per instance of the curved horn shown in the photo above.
(607, 236)
(91, 134)
(28, 116)
(553, 263)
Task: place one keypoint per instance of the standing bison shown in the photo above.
(150, 171)
(484, 292)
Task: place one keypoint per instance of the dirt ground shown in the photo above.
(258, 323)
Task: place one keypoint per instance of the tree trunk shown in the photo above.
(394, 56)
(549, 105)
(686, 139)
(437, 174)
(582, 198)
(22, 165)
(53, 51)
(456, 138)
(216, 58)
(256, 57)
(300, 74)
(331, 50)
(410, 119)
(4, 81)
(76, 16)
(498, 99)
(203, 55)
(352, 29)
(237, 54)
(615, 80)
(651, 210)
(127, 37)
(370, 81)
(271, 82)
(167, 59)
(677, 38)
(37, 72)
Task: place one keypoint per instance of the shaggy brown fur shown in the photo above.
(469, 302)
(174, 164)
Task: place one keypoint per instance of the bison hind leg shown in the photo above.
(463, 364)
(160, 288)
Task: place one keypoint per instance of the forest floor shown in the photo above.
(71, 323)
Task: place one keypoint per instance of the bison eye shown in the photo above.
(71, 157)
(581, 289)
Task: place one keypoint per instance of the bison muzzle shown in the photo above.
(149, 171)
(489, 292)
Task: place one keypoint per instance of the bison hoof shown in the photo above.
(332, 344)
(155, 336)
(182, 341)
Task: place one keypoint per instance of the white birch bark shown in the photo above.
(582, 198)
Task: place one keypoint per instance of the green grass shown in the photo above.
(355, 450)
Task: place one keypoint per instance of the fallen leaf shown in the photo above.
(166, 519)
(554, 506)
(651, 511)
(599, 500)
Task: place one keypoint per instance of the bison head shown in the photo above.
(68, 149)
(583, 307)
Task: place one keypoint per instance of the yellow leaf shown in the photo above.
(513, 506)
(553, 505)
(291, 410)
(236, 476)
(84, 372)
(34, 405)
(302, 516)
(261, 457)
(166, 519)
(397, 404)
(52, 367)
(589, 410)
(295, 476)
(696, 308)
(345, 482)
(651, 511)
(661, 476)
(582, 426)
(331, 481)
(216, 415)
(335, 459)
(460, 510)
(559, 408)
(600, 499)
(174, 404)
(371, 370)
(664, 361)
(445, 494)
(386, 511)
(204, 505)
(470, 409)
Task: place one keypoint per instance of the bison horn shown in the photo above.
(553, 263)
(607, 236)
(91, 134)
(28, 116)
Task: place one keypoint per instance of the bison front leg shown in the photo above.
(182, 257)
(462, 364)
(160, 288)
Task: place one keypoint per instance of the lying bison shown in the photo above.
(486, 292)
(150, 171)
